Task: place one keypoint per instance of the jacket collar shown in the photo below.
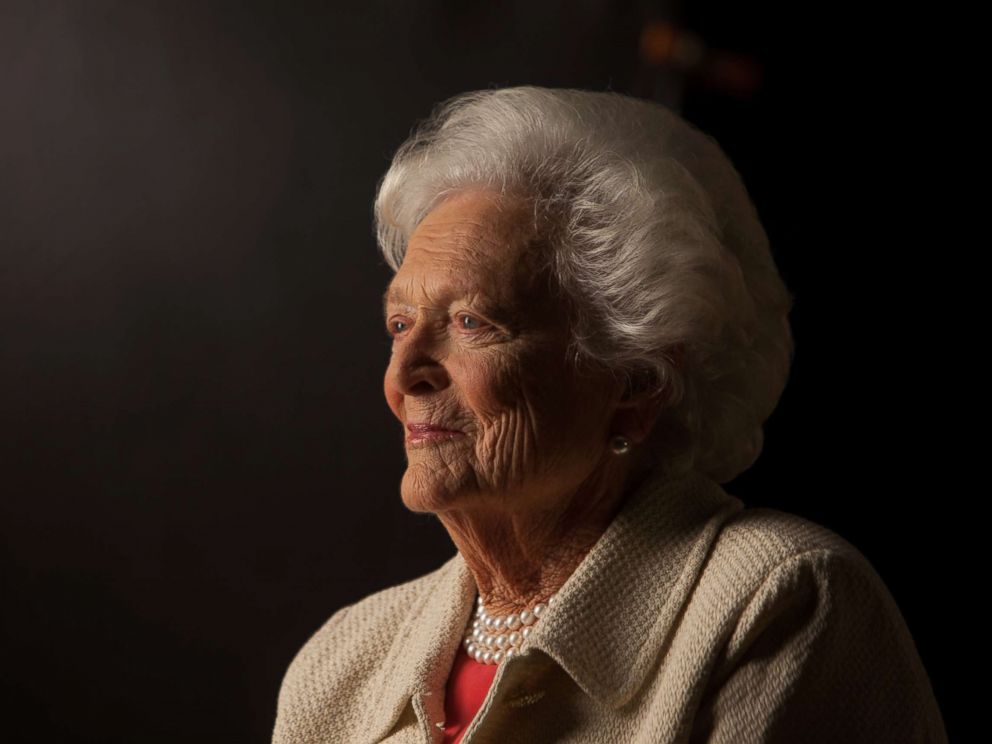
(610, 619)
(614, 614)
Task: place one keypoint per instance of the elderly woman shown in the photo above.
(588, 332)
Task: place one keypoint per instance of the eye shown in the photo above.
(468, 323)
(396, 326)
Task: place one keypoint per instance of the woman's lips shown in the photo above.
(429, 433)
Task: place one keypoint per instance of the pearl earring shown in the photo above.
(620, 444)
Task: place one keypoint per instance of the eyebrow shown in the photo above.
(394, 294)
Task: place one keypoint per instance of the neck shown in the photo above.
(522, 557)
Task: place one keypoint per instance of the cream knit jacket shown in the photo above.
(692, 619)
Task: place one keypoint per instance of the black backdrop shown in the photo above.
(198, 464)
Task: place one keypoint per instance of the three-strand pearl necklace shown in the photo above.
(492, 639)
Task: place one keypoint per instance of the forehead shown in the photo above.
(474, 241)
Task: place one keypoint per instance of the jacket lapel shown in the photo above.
(423, 649)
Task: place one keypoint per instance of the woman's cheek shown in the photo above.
(482, 382)
(489, 389)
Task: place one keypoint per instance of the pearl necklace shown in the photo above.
(492, 639)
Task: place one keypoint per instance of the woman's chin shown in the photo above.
(424, 489)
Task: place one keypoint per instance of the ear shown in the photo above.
(641, 404)
(637, 413)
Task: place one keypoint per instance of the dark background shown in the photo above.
(198, 466)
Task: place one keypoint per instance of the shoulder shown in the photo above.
(793, 570)
(812, 630)
(341, 659)
(757, 545)
(770, 569)
(382, 608)
(347, 631)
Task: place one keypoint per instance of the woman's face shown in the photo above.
(479, 346)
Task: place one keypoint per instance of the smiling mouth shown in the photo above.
(427, 434)
(433, 436)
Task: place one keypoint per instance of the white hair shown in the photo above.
(651, 236)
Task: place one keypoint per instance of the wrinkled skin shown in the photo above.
(479, 345)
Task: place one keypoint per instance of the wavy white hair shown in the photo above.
(649, 233)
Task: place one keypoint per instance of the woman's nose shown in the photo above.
(416, 365)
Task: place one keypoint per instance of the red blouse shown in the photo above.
(468, 685)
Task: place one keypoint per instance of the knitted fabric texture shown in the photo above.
(692, 619)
